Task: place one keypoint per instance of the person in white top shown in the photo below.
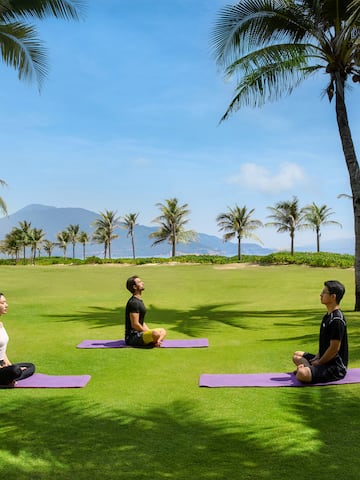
(10, 372)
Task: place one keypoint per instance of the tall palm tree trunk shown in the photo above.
(239, 247)
(173, 246)
(317, 240)
(133, 244)
(354, 175)
(292, 243)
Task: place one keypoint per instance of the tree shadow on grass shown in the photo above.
(55, 438)
(195, 321)
(331, 426)
(191, 322)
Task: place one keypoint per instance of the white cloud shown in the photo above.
(288, 176)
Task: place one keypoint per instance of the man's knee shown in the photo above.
(304, 374)
(158, 333)
(297, 356)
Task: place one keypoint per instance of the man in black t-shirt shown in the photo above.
(137, 333)
(331, 361)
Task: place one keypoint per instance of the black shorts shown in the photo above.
(135, 339)
(325, 373)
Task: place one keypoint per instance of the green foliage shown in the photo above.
(93, 259)
(7, 261)
(321, 259)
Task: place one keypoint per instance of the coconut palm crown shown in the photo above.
(172, 221)
(238, 222)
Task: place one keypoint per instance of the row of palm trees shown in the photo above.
(286, 217)
(237, 222)
(23, 236)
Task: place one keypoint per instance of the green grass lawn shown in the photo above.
(143, 416)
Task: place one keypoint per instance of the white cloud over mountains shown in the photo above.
(287, 177)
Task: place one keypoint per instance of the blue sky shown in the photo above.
(129, 116)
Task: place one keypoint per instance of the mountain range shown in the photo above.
(53, 220)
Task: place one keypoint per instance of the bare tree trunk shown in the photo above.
(354, 175)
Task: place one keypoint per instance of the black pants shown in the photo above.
(16, 371)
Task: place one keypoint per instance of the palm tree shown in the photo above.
(129, 224)
(101, 236)
(20, 46)
(172, 221)
(73, 231)
(36, 236)
(48, 246)
(3, 207)
(24, 235)
(83, 238)
(287, 218)
(315, 217)
(63, 239)
(13, 243)
(237, 222)
(106, 225)
(273, 45)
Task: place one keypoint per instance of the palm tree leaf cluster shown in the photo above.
(271, 46)
(20, 46)
(105, 227)
(237, 222)
(172, 221)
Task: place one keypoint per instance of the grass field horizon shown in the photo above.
(142, 415)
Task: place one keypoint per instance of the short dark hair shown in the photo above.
(130, 283)
(335, 288)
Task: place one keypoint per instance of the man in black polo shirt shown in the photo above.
(330, 363)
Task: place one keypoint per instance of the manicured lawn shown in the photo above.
(143, 416)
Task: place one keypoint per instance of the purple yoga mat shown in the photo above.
(39, 380)
(268, 380)
(192, 343)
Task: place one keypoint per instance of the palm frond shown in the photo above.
(40, 9)
(21, 49)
